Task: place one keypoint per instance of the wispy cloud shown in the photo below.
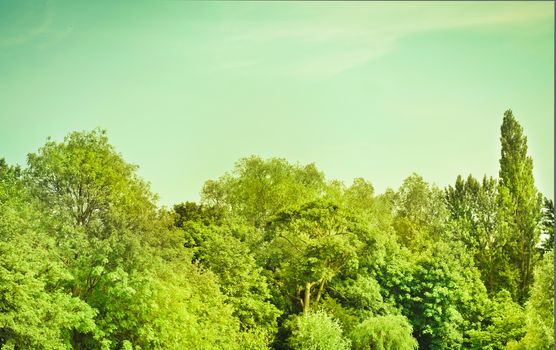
(33, 22)
(27, 22)
(333, 40)
(56, 35)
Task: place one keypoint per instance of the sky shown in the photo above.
(377, 90)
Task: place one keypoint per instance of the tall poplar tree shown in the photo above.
(520, 204)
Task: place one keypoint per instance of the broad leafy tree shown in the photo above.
(35, 310)
(256, 189)
(309, 246)
(474, 216)
(391, 332)
(316, 331)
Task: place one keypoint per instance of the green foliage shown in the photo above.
(520, 204)
(446, 297)
(258, 189)
(438, 286)
(122, 254)
(547, 226)
(239, 277)
(362, 294)
(539, 309)
(85, 179)
(221, 248)
(316, 331)
(390, 332)
(274, 256)
(474, 218)
(193, 212)
(35, 311)
(503, 322)
(419, 213)
(179, 307)
(310, 245)
(104, 214)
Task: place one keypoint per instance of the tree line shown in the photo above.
(273, 256)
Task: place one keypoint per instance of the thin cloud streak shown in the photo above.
(343, 42)
(33, 32)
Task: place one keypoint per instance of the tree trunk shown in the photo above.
(307, 297)
(321, 287)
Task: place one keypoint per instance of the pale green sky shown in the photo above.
(363, 89)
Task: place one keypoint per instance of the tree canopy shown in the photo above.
(273, 256)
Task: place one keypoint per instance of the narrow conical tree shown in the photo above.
(519, 203)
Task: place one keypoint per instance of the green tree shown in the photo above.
(309, 246)
(257, 189)
(316, 331)
(436, 282)
(419, 213)
(126, 260)
(446, 296)
(520, 203)
(239, 277)
(503, 322)
(221, 247)
(547, 226)
(193, 212)
(105, 217)
(539, 309)
(474, 214)
(274, 255)
(35, 311)
(390, 332)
